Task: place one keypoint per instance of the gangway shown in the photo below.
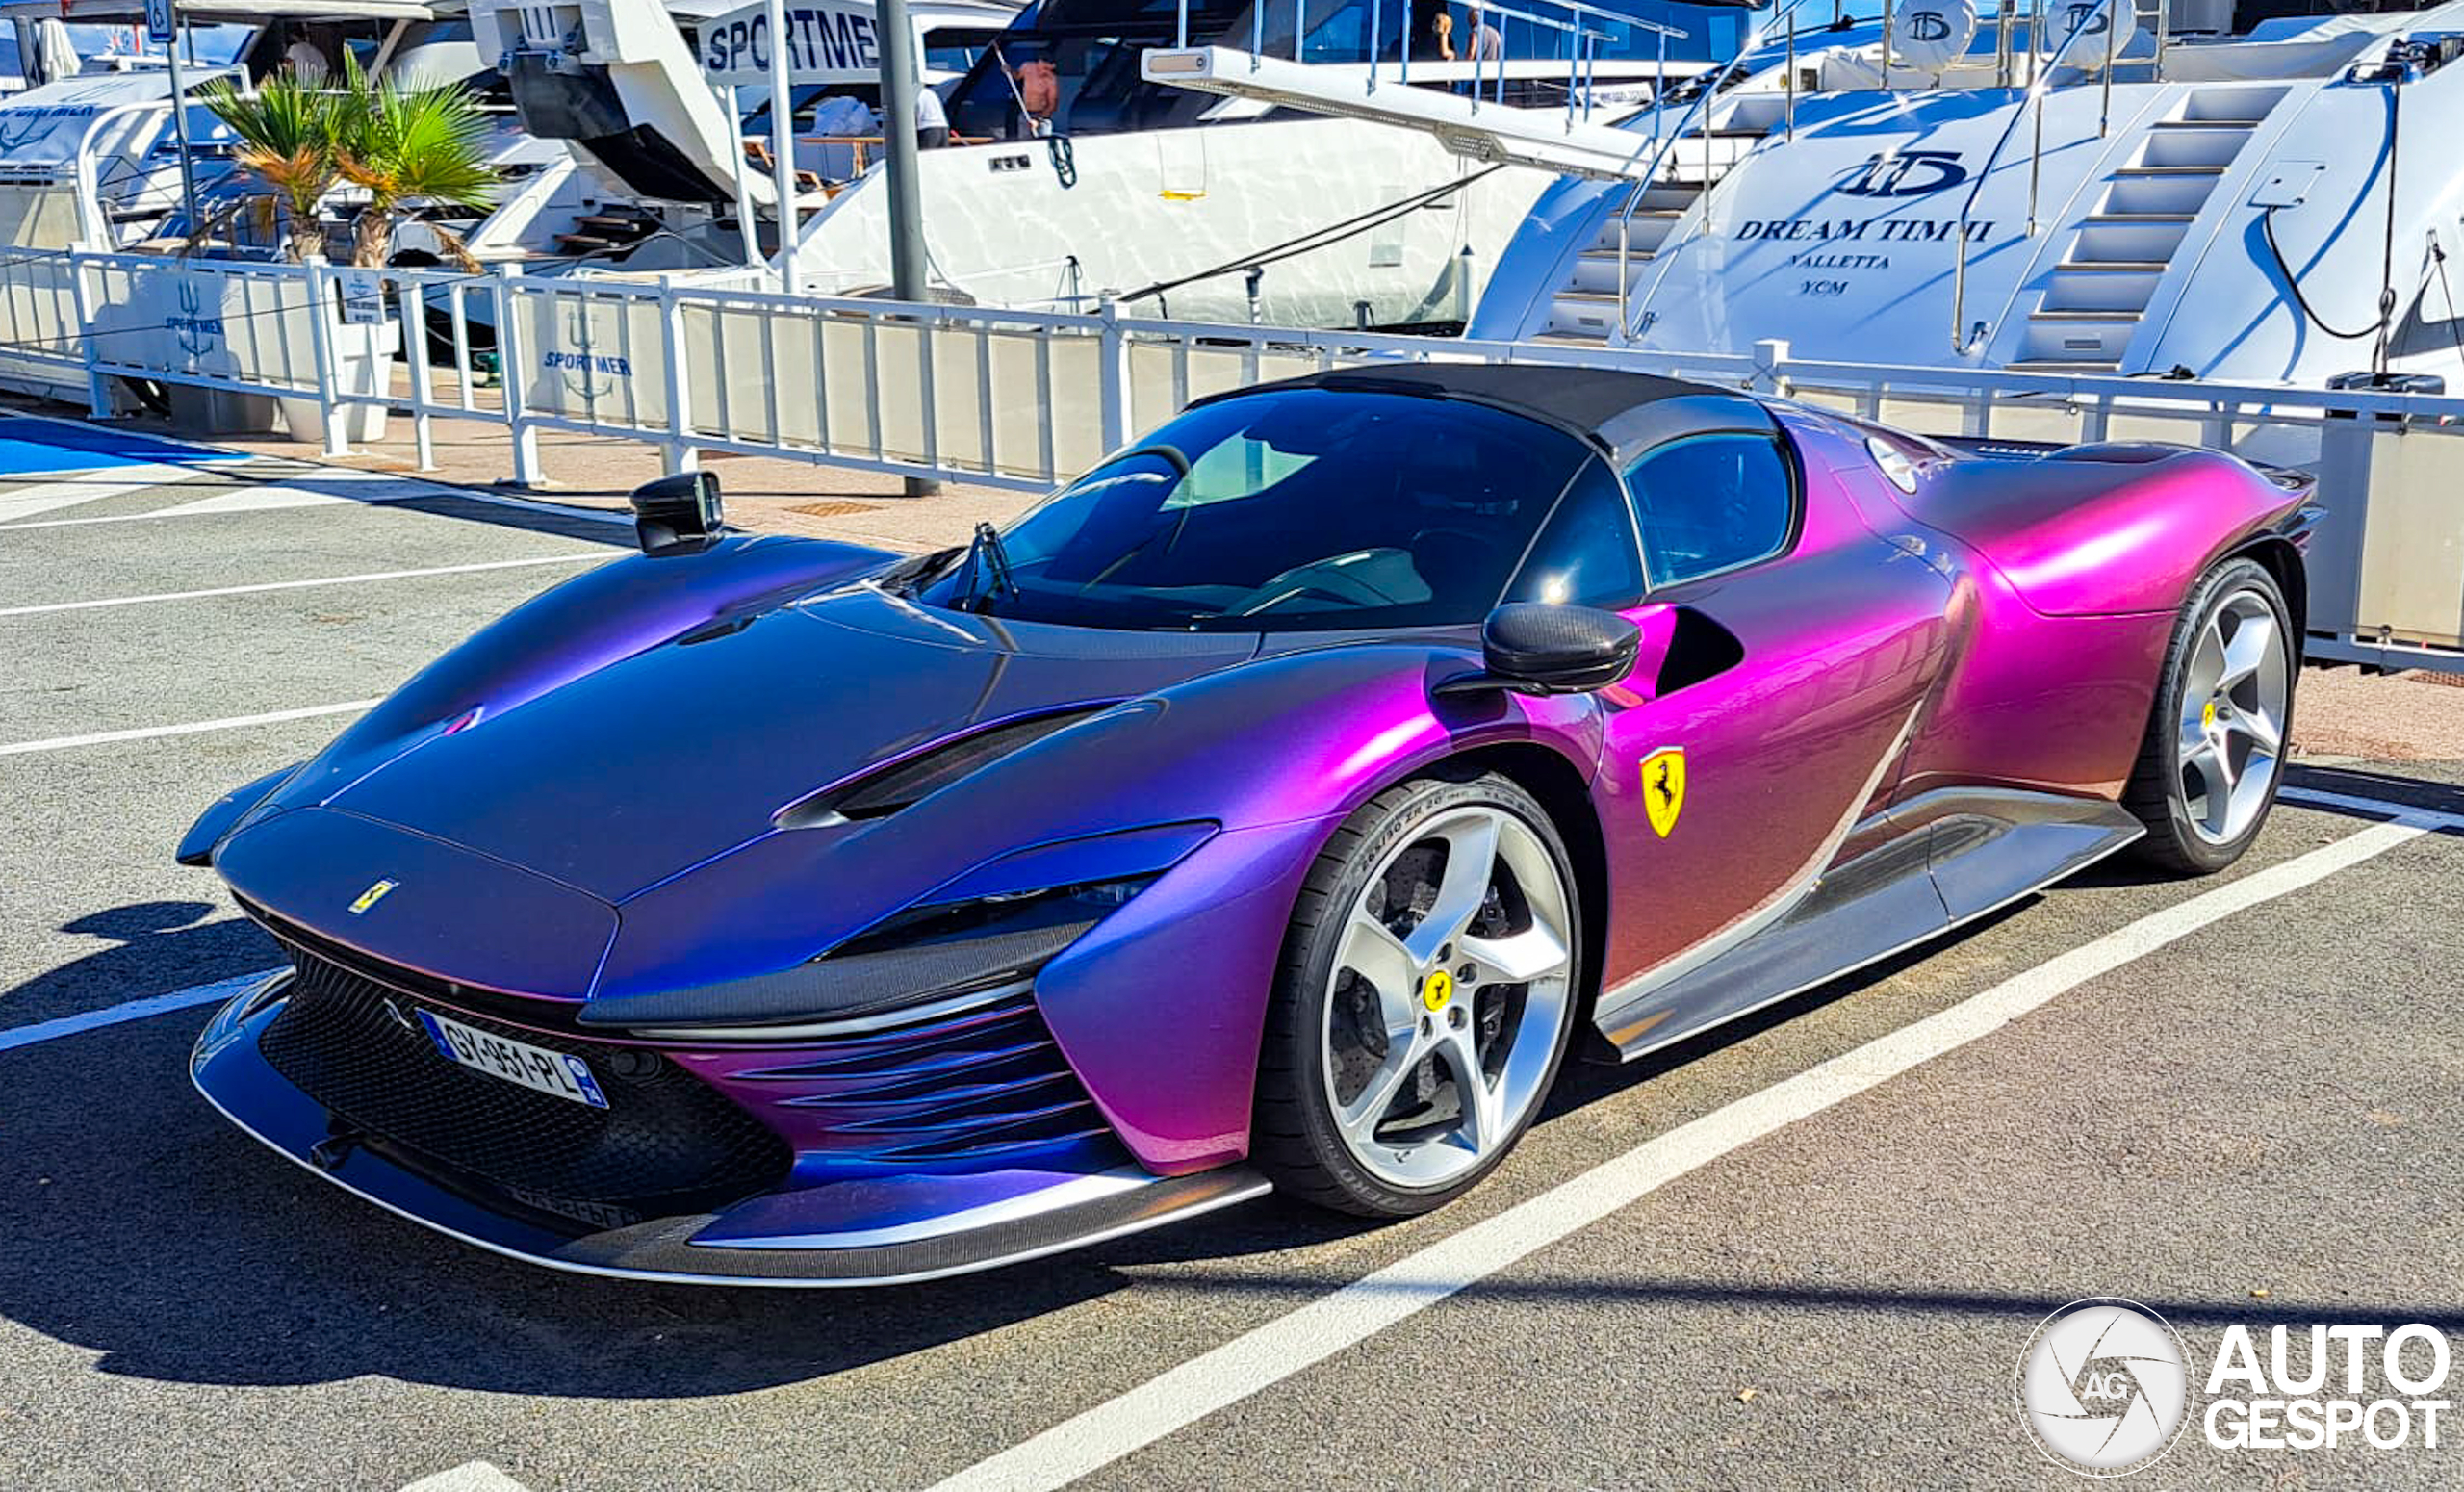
(1575, 139)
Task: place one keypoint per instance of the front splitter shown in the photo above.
(234, 1077)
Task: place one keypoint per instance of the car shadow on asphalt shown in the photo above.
(136, 1225)
(141, 1227)
(2389, 787)
(151, 947)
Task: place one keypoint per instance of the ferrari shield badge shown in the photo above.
(377, 893)
(1664, 787)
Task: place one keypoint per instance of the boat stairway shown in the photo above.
(1586, 307)
(2092, 299)
(600, 233)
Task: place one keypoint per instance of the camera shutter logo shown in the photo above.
(2104, 1386)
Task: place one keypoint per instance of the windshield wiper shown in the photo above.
(908, 575)
(984, 553)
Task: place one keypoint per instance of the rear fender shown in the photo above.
(2101, 530)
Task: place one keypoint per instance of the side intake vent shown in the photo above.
(1700, 649)
(882, 793)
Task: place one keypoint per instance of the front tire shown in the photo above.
(1424, 1000)
(2214, 754)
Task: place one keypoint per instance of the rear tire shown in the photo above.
(1424, 999)
(2213, 758)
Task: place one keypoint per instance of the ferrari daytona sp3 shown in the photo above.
(1278, 805)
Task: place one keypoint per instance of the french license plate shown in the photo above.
(560, 1073)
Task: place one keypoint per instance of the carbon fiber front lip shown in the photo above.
(228, 1068)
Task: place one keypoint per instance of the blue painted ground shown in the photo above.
(34, 445)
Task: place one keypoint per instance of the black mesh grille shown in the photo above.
(666, 1142)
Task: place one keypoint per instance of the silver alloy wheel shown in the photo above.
(2231, 731)
(1450, 992)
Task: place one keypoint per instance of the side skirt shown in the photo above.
(1947, 857)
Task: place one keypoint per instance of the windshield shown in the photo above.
(1290, 510)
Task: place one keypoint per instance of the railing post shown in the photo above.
(513, 373)
(99, 392)
(1959, 289)
(680, 454)
(2346, 442)
(2036, 158)
(2112, 25)
(1112, 377)
(1791, 105)
(1770, 358)
(1660, 92)
(412, 298)
(320, 343)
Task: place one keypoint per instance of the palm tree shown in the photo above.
(287, 136)
(410, 143)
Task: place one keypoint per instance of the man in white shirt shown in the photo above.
(931, 120)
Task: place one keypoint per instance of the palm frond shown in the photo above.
(287, 130)
(417, 143)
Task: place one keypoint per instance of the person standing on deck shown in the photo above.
(1486, 46)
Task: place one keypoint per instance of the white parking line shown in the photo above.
(290, 585)
(135, 1010)
(469, 1476)
(94, 486)
(284, 493)
(2314, 797)
(144, 732)
(1277, 1350)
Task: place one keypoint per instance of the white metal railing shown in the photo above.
(1580, 29)
(1025, 400)
(1697, 117)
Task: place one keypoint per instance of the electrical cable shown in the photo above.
(2387, 278)
(1316, 239)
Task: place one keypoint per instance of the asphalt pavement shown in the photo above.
(1805, 1252)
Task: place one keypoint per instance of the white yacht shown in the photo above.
(2246, 190)
(1114, 183)
(89, 154)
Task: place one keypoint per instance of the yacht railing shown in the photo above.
(93, 222)
(2041, 75)
(1697, 114)
(1583, 26)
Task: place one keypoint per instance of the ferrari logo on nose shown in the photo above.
(371, 897)
(1664, 787)
(1436, 989)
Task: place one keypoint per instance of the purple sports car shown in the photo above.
(1277, 805)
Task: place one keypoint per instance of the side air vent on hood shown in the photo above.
(879, 793)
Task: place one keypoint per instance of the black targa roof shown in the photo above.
(1622, 413)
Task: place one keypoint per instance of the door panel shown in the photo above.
(1784, 752)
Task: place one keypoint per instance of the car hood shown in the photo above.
(660, 761)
